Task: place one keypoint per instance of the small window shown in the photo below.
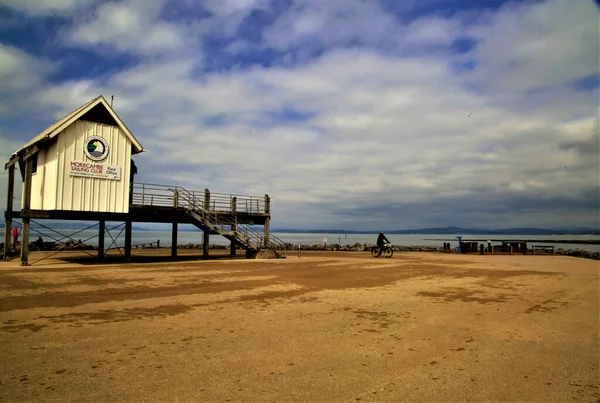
(34, 159)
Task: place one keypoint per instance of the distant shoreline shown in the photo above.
(558, 241)
(452, 231)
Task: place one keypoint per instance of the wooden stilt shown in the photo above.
(233, 250)
(174, 240)
(205, 245)
(25, 209)
(128, 241)
(267, 220)
(101, 231)
(8, 212)
(207, 222)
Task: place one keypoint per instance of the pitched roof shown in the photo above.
(66, 121)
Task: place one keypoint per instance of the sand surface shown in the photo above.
(324, 327)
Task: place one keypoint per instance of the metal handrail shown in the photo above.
(251, 237)
(212, 215)
(164, 195)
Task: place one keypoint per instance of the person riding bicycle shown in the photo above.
(380, 242)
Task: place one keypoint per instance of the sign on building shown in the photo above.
(93, 170)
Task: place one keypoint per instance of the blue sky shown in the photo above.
(349, 114)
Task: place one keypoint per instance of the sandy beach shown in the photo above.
(324, 327)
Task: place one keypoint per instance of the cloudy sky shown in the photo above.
(350, 114)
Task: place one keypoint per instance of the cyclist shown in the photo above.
(380, 242)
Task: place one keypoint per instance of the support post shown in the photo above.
(206, 199)
(8, 212)
(25, 208)
(233, 250)
(511, 250)
(267, 219)
(205, 245)
(101, 231)
(128, 241)
(174, 240)
(206, 239)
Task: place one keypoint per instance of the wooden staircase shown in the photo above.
(227, 215)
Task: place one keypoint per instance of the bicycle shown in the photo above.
(386, 250)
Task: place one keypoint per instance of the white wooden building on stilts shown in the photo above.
(80, 168)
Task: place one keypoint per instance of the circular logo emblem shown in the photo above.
(96, 148)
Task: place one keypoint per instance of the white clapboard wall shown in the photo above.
(66, 179)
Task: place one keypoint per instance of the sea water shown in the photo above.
(116, 237)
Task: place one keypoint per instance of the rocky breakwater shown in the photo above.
(358, 247)
(584, 253)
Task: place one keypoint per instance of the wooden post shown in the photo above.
(205, 245)
(267, 219)
(8, 213)
(101, 230)
(206, 199)
(207, 223)
(174, 240)
(25, 208)
(233, 250)
(511, 249)
(128, 241)
(533, 249)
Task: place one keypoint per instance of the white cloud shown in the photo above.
(330, 23)
(527, 46)
(376, 130)
(20, 71)
(309, 27)
(39, 8)
(228, 8)
(20, 75)
(433, 31)
(132, 26)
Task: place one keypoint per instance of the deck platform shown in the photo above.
(235, 217)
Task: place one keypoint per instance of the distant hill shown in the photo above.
(458, 231)
(76, 225)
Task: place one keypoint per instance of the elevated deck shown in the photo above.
(233, 216)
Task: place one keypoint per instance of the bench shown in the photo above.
(547, 248)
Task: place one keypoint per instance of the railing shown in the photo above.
(243, 203)
(210, 207)
(231, 225)
(245, 232)
(146, 194)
